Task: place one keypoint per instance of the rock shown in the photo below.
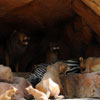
(81, 85)
(23, 83)
(22, 99)
(6, 86)
(8, 94)
(6, 74)
(20, 84)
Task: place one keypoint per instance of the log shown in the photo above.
(88, 14)
(94, 5)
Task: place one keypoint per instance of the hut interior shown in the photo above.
(71, 27)
(49, 49)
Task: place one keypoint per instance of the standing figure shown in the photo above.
(16, 47)
(52, 53)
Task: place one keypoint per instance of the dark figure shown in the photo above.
(52, 54)
(16, 47)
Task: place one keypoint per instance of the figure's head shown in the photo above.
(82, 63)
(81, 59)
(62, 67)
(21, 37)
(54, 46)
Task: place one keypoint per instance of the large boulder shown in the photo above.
(6, 74)
(81, 85)
(19, 83)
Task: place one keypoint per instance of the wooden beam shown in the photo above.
(88, 14)
(94, 5)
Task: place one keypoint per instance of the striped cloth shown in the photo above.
(72, 63)
(74, 66)
(37, 75)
